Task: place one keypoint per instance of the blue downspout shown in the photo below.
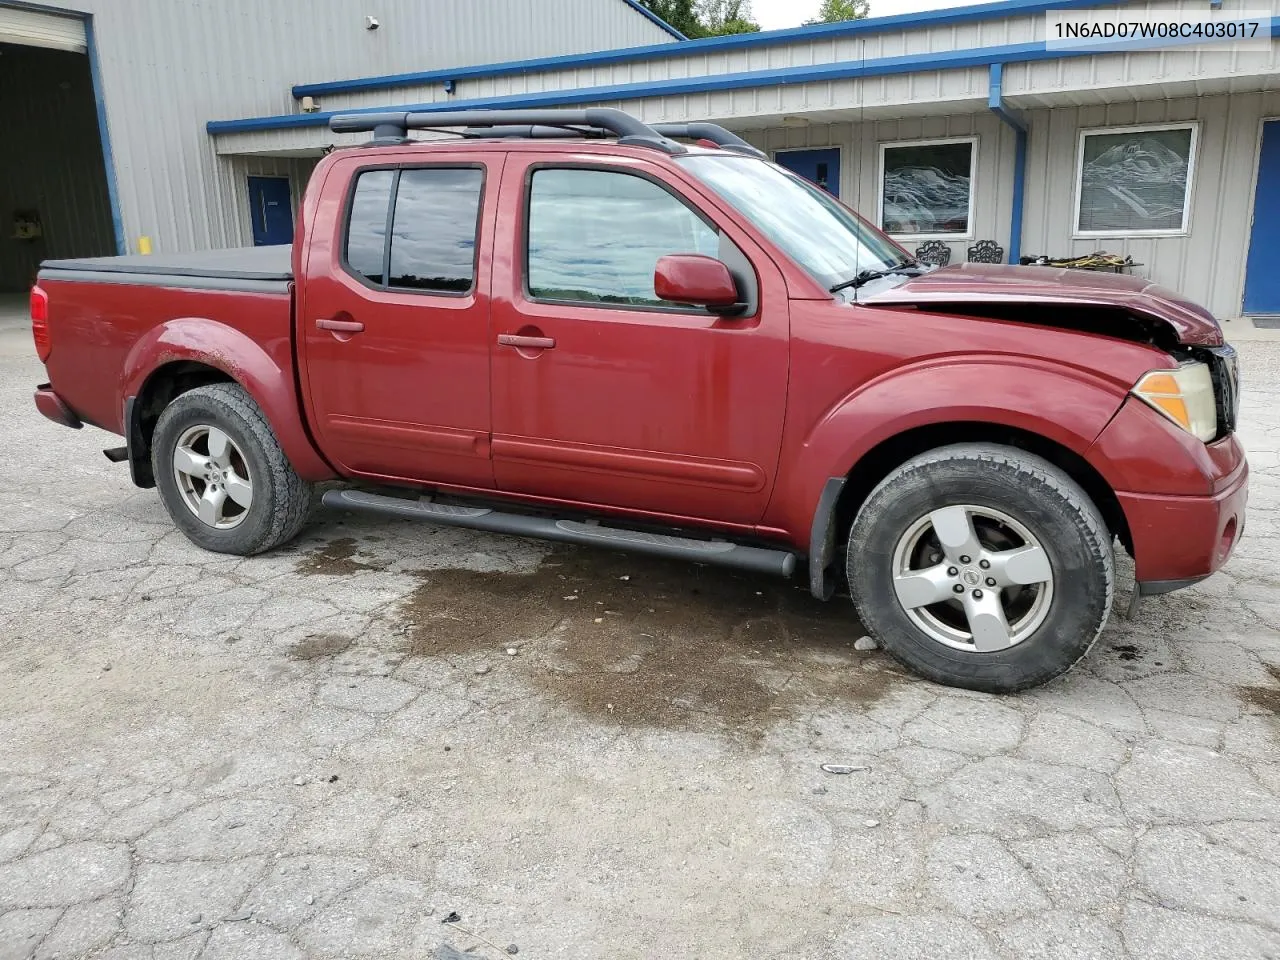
(995, 100)
(108, 161)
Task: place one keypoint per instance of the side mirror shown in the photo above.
(693, 278)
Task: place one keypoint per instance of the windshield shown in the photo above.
(817, 231)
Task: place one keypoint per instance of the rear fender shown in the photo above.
(1065, 405)
(268, 378)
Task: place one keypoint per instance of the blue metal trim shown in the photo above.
(821, 31)
(995, 101)
(951, 60)
(841, 70)
(639, 8)
(104, 134)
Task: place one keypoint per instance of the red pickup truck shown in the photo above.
(574, 325)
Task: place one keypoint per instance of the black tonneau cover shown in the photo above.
(259, 269)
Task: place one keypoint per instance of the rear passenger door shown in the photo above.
(394, 318)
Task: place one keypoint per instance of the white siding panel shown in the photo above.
(168, 66)
(1206, 265)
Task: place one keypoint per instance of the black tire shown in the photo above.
(1025, 487)
(281, 501)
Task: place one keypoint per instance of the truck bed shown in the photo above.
(260, 269)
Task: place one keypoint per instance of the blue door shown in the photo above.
(817, 166)
(1261, 276)
(270, 210)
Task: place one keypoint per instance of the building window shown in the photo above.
(926, 188)
(434, 224)
(595, 236)
(1134, 180)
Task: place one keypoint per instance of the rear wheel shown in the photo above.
(222, 475)
(982, 566)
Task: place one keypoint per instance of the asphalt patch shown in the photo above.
(1265, 697)
(318, 646)
(336, 558)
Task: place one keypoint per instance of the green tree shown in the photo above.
(681, 14)
(721, 17)
(834, 11)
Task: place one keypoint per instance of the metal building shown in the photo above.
(104, 147)
(954, 126)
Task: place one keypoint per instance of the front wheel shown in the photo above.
(982, 566)
(222, 475)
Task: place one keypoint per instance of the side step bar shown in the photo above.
(757, 559)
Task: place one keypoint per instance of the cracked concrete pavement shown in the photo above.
(326, 751)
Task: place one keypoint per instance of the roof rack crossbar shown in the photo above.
(712, 132)
(395, 126)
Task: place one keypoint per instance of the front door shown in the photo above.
(1261, 278)
(394, 318)
(604, 394)
(817, 166)
(270, 210)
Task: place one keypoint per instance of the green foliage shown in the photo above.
(834, 11)
(705, 18)
(681, 14)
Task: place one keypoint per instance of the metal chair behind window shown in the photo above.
(986, 251)
(935, 252)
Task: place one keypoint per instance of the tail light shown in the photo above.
(40, 323)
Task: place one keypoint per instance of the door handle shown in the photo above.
(340, 326)
(529, 343)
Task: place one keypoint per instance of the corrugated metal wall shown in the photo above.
(169, 66)
(50, 161)
(1207, 264)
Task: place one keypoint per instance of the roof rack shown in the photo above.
(711, 132)
(394, 127)
(592, 123)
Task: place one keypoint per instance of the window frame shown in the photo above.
(1078, 184)
(525, 209)
(971, 232)
(397, 169)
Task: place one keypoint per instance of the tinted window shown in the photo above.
(596, 236)
(367, 228)
(433, 238)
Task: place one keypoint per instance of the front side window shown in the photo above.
(926, 188)
(434, 220)
(596, 236)
(1134, 180)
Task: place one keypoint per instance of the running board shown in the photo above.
(717, 552)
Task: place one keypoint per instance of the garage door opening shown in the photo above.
(53, 181)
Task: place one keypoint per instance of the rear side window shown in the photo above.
(434, 221)
(595, 236)
(367, 226)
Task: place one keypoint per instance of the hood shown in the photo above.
(975, 283)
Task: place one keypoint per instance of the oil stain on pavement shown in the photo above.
(640, 641)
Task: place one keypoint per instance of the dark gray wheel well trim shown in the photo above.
(822, 540)
(139, 456)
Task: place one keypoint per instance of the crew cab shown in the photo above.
(576, 326)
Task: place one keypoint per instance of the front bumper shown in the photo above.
(55, 408)
(1178, 540)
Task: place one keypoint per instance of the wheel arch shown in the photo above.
(844, 496)
(161, 387)
(189, 352)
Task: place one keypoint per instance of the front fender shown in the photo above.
(266, 372)
(1063, 404)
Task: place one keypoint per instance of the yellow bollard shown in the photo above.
(144, 245)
